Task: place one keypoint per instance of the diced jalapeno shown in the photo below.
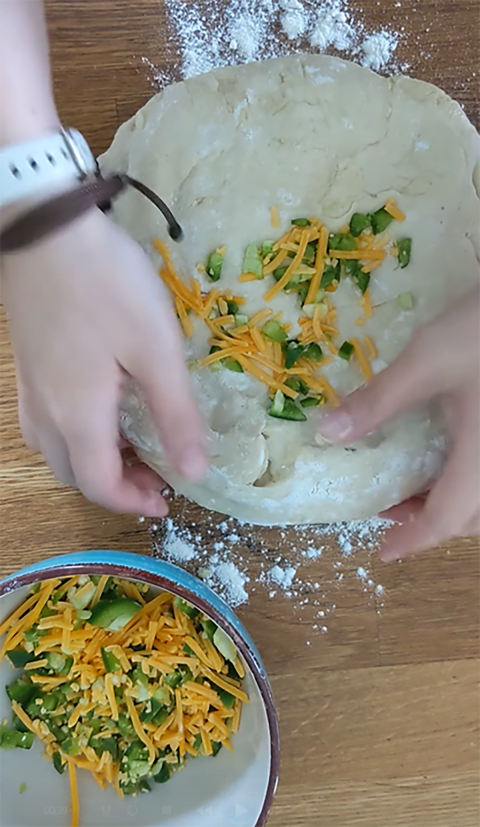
(59, 765)
(329, 275)
(341, 241)
(110, 662)
(252, 263)
(290, 412)
(404, 252)
(163, 776)
(233, 365)
(113, 615)
(313, 352)
(380, 219)
(405, 301)
(359, 222)
(216, 747)
(274, 330)
(233, 308)
(309, 255)
(241, 319)
(266, 249)
(214, 266)
(346, 351)
(311, 402)
(293, 352)
(301, 222)
(185, 607)
(278, 404)
(13, 739)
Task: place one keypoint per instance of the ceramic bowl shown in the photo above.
(232, 790)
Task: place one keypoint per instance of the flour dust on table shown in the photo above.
(325, 210)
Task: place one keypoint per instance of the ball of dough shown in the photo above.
(311, 136)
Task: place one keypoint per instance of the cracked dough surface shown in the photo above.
(313, 135)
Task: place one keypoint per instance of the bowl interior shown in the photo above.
(210, 792)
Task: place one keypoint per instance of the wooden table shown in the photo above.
(379, 717)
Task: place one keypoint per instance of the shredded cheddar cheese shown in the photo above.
(158, 686)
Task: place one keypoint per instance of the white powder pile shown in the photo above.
(207, 34)
(247, 559)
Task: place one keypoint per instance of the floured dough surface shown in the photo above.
(312, 135)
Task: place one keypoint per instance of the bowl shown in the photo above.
(232, 790)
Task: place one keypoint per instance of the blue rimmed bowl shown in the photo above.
(233, 790)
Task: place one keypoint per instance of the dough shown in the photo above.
(312, 135)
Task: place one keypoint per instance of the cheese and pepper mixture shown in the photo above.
(308, 262)
(118, 682)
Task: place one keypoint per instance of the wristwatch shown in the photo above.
(62, 157)
(27, 169)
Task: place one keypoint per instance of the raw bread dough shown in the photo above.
(313, 135)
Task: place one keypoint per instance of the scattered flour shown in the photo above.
(247, 559)
(207, 34)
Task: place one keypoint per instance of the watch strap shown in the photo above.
(44, 219)
(28, 168)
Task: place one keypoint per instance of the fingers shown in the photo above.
(98, 465)
(415, 376)
(451, 508)
(161, 372)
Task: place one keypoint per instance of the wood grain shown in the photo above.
(380, 716)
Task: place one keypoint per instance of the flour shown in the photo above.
(377, 50)
(248, 559)
(207, 34)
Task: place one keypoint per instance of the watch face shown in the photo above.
(80, 151)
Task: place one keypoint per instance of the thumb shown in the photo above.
(417, 375)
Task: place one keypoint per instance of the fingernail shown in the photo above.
(336, 426)
(154, 505)
(193, 464)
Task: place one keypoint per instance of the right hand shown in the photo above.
(87, 311)
(442, 361)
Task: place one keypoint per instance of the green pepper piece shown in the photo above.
(101, 745)
(124, 724)
(313, 352)
(61, 664)
(346, 351)
(209, 627)
(354, 270)
(71, 746)
(13, 739)
(214, 266)
(311, 402)
(359, 222)
(380, 219)
(161, 717)
(404, 252)
(297, 384)
(33, 635)
(252, 263)
(232, 364)
(290, 412)
(35, 588)
(293, 352)
(226, 698)
(302, 294)
(310, 255)
(266, 249)
(341, 241)
(279, 272)
(19, 658)
(22, 691)
(329, 275)
(186, 608)
(277, 405)
(233, 308)
(197, 744)
(301, 222)
(405, 301)
(164, 775)
(188, 651)
(274, 331)
(110, 662)
(174, 679)
(59, 765)
(113, 615)
(216, 747)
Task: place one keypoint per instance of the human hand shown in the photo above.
(87, 311)
(442, 361)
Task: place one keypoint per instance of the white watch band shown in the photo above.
(26, 169)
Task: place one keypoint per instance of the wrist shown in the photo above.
(28, 124)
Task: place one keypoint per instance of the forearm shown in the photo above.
(27, 108)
